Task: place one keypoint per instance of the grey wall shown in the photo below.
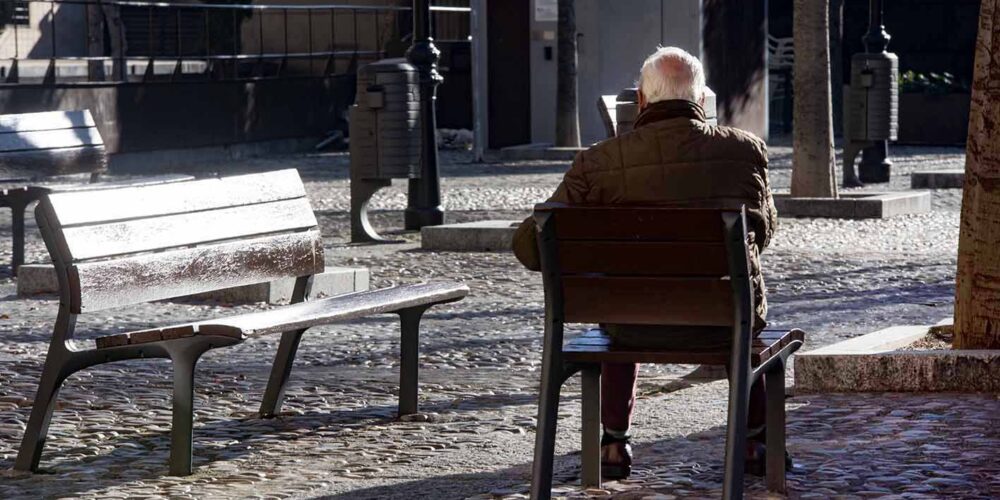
(614, 39)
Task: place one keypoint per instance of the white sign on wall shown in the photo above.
(546, 10)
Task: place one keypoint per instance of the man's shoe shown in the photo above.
(616, 457)
(755, 462)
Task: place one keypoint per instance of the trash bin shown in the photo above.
(385, 122)
(385, 136)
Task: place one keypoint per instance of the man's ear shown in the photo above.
(642, 99)
(701, 100)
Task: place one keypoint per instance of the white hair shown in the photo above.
(672, 73)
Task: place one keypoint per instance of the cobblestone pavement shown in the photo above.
(835, 279)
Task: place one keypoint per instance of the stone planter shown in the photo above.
(933, 119)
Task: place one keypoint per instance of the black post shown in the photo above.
(424, 204)
(875, 164)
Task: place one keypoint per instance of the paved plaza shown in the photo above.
(480, 360)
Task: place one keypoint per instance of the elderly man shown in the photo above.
(671, 157)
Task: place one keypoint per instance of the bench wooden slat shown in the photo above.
(50, 140)
(643, 258)
(177, 273)
(142, 235)
(41, 163)
(169, 199)
(647, 301)
(97, 186)
(637, 224)
(596, 346)
(340, 308)
(145, 336)
(47, 120)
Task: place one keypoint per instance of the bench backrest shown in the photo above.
(644, 265)
(36, 145)
(133, 245)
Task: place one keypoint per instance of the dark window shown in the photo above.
(20, 14)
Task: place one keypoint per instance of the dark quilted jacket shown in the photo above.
(672, 157)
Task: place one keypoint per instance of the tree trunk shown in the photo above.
(813, 161)
(567, 115)
(95, 42)
(116, 35)
(977, 295)
(837, 64)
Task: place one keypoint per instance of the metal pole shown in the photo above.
(424, 204)
(875, 164)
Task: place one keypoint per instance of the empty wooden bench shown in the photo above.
(34, 146)
(653, 266)
(134, 245)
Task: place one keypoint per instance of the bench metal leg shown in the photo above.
(280, 373)
(736, 433)
(409, 359)
(17, 231)
(590, 475)
(184, 359)
(30, 453)
(775, 382)
(545, 433)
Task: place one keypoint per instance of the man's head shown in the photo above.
(671, 73)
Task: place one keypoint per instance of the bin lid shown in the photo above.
(394, 65)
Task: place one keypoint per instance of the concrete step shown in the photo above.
(37, 279)
(480, 236)
(878, 362)
(938, 179)
(855, 205)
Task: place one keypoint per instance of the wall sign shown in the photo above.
(546, 10)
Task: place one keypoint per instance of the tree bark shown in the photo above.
(567, 113)
(116, 36)
(813, 161)
(95, 41)
(977, 295)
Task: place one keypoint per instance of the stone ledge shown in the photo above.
(536, 152)
(37, 279)
(480, 236)
(855, 205)
(874, 363)
(938, 179)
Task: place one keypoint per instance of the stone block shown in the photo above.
(855, 205)
(538, 152)
(938, 179)
(875, 363)
(35, 279)
(481, 236)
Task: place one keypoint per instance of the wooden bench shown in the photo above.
(653, 266)
(34, 146)
(135, 245)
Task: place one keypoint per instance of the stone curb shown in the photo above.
(37, 279)
(874, 363)
(534, 152)
(480, 236)
(938, 179)
(855, 205)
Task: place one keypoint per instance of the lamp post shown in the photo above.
(424, 200)
(875, 165)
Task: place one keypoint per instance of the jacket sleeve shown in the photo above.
(572, 189)
(766, 222)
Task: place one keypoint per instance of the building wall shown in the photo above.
(613, 43)
(66, 21)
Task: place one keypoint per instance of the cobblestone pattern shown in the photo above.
(835, 279)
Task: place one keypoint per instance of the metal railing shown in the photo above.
(87, 41)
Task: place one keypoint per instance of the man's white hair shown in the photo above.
(672, 73)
